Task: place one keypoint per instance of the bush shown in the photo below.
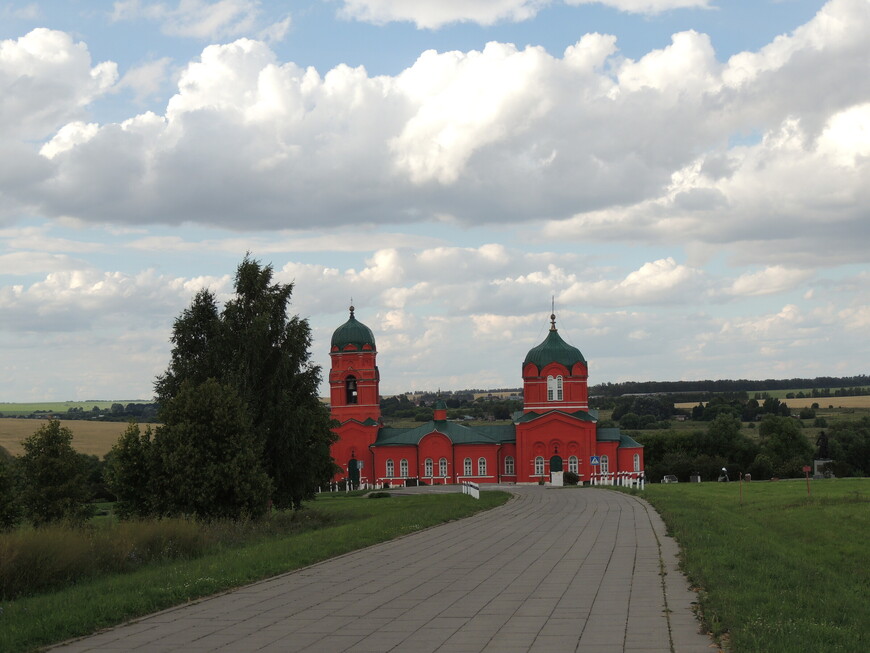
(571, 478)
(379, 495)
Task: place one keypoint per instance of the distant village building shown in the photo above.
(554, 433)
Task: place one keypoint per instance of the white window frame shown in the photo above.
(637, 462)
(391, 468)
(573, 464)
(428, 468)
(539, 466)
(604, 466)
(560, 395)
(403, 468)
(481, 466)
(551, 388)
(466, 467)
(442, 467)
(509, 468)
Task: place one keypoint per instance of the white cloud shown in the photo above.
(770, 280)
(204, 20)
(146, 80)
(45, 81)
(658, 282)
(605, 147)
(29, 11)
(433, 14)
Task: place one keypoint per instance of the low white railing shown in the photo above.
(471, 488)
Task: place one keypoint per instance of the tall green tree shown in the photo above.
(207, 462)
(255, 348)
(54, 483)
(129, 473)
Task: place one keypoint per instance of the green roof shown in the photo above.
(615, 435)
(457, 433)
(554, 350)
(608, 435)
(628, 442)
(353, 332)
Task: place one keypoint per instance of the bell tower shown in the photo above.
(353, 376)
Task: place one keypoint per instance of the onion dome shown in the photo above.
(554, 350)
(439, 404)
(353, 332)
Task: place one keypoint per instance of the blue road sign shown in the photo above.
(595, 460)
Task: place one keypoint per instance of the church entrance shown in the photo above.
(353, 472)
(556, 464)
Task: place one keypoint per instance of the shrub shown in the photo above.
(379, 495)
(571, 478)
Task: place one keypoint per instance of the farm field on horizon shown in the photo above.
(805, 402)
(91, 437)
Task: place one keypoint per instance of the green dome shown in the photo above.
(439, 404)
(554, 350)
(353, 333)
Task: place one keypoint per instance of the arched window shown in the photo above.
(481, 466)
(466, 466)
(554, 388)
(350, 390)
(637, 462)
(539, 466)
(442, 467)
(429, 467)
(573, 464)
(403, 468)
(605, 465)
(391, 469)
(509, 468)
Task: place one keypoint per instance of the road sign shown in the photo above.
(807, 468)
(595, 460)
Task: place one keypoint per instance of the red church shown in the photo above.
(556, 432)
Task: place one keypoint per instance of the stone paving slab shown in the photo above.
(552, 570)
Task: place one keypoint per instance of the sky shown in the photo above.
(688, 181)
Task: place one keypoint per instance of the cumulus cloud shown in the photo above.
(432, 14)
(46, 79)
(604, 147)
(146, 80)
(204, 20)
(770, 280)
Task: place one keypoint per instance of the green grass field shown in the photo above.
(90, 604)
(783, 572)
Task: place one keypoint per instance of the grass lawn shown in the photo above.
(781, 572)
(35, 621)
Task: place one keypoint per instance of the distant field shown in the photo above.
(14, 408)
(90, 437)
(806, 402)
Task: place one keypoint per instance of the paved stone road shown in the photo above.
(553, 570)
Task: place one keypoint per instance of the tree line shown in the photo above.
(859, 383)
